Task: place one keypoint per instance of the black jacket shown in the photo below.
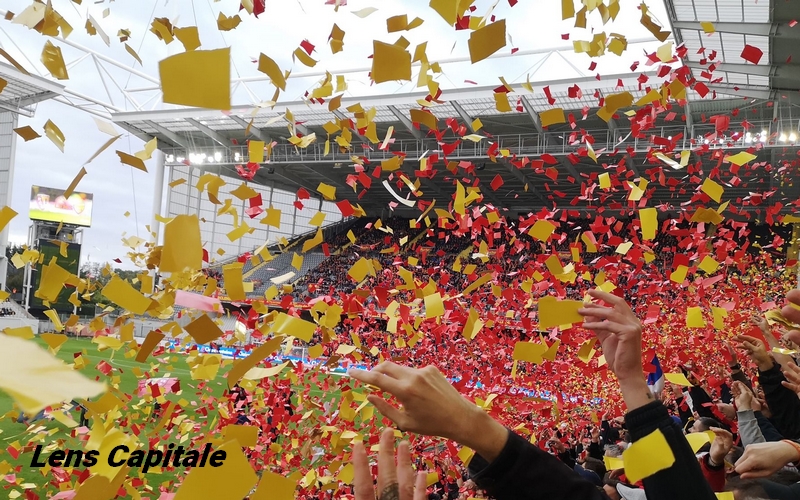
(524, 472)
(783, 403)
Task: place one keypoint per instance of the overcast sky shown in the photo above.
(532, 24)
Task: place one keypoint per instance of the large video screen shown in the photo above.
(48, 204)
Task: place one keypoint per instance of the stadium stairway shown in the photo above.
(281, 265)
(19, 311)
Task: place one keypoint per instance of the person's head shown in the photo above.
(746, 489)
(703, 424)
(595, 465)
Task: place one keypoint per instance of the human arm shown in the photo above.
(749, 431)
(772, 341)
(782, 402)
(398, 480)
(619, 332)
(713, 463)
(765, 459)
(505, 464)
(792, 374)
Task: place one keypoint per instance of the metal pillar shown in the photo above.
(8, 144)
(158, 194)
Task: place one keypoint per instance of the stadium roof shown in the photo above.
(737, 24)
(23, 91)
(220, 136)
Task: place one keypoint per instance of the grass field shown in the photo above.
(12, 432)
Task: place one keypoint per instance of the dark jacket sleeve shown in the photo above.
(683, 409)
(567, 458)
(595, 451)
(768, 430)
(699, 398)
(524, 472)
(714, 475)
(783, 403)
(684, 479)
(741, 377)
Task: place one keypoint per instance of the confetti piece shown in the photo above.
(182, 248)
(390, 63)
(708, 265)
(741, 158)
(36, 379)
(752, 54)
(6, 214)
(552, 116)
(132, 161)
(204, 330)
(329, 192)
(54, 134)
(232, 480)
(712, 189)
(200, 78)
(647, 456)
(698, 439)
(694, 318)
(649, 220)
(27, 133)
(270, 68)
(542, 230)
(708, 27)
(189, 37)
(529, 351)
(276, 487)
(678, 379)
(54, 61)
(554, 312)
(364, 12)
(242, 366)
(487, 40)
(124, 295)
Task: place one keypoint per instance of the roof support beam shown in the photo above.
(137, 133)
(570, 168)
(781, 70)
(281, 171)
(631, 164)
(406, 122)
(524, 180)
(758, 29)
(341, 116)
(172, 136)
(254, 131)
(537, 122)
(218, 138)
(319, 170)
(462, 113)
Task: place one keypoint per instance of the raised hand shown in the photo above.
(619, 332)
(431, 406)
(792, 373)
(722, 444)
(791, 310)
(732, 354)
(395, 481)
(742, 396)
(757, 351)
(765, 459)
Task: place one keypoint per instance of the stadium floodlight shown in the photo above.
(792, 137)
(217, 156)
(237, 156)
(170, 158)
(783, 138)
